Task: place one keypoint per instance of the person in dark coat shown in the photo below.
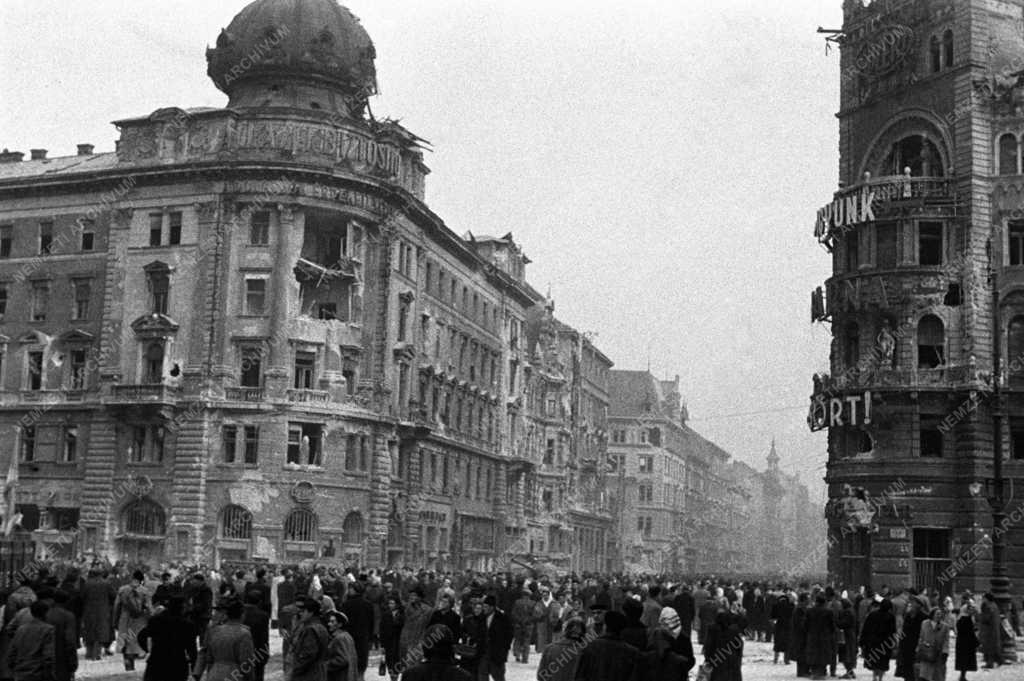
(669, 654)
(166, 590)
(258, 621)
(32, 655)
(684, 606)
(989, 625)
(560, 660)
(820, 638)
(913, 618)
(966, 650)
(65, 633)
(609, 658)
(72, 585)
(170, 642)
(446, 615)
(846, 623)
(706, 611)
(309, 645)
(634, 633)
(440, 665)
(798, 636)
(227, 652)
(782, 625)
(360, 623)
(98, 596)
(522, 626)
(198, 603)
(342, 659)
(878, 638)
(392, 617)
(497, 640)
(723, 647)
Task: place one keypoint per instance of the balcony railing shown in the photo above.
(51, 396)
(857, 379)
(149, 392)
(901, 188)
(244, 394)
(309, 396)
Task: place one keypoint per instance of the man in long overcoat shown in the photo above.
(820, 637)
(228, 651)
(131, 611)
(98, 596)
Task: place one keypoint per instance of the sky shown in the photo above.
(661, 162)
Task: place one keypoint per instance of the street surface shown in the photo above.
(757, 665)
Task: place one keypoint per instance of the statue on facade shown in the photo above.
(886, 343)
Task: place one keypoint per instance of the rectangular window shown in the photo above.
(351, 451)
(6, 240)
(931, 437)
(304, 441)
(851, 244)
(252, 445)
(929, 243)
(255, 296)
(159, 288)
(45, 238)
(174, 229)
(35, 370)
(88, 241)
(156, 229)
(646, 463)
(82, 292)
(28, 444)
(1017, 440)
(646, 493)
(1016, 243)
(251, 368)
(327, 311)
(549, 453)
(259, 228)
(229, 442)
(78, 369)
(3, 301)
(885, 245)
(40, 300)
(305, 366)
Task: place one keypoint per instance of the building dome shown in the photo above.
(294, 50)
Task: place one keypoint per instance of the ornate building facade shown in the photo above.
(244, 336)
(926, 220)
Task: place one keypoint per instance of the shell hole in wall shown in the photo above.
(314, 105)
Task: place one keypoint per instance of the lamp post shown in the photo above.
(999, 582)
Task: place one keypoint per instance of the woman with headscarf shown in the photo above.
(669, 655)
(342, 659)
(933, 647)
(878, 639)
(966, 642)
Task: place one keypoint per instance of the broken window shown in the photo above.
(305, 444)
(954, 296)
(251, 368)
(153, 366)
(931, 343)
(885, 245)
(931, 436)
(916, 152)
(851, 346)
(159, 281)
(35, 370)
(78, 369)
(947, 48)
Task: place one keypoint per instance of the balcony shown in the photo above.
(857, 379)
(52, 396)
(244, 394)
(148, 393)
(877, 198)
(309, 396)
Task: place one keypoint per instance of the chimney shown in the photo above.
(85, 149)
(11, 156)
(38, 154)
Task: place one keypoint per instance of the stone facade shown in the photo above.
(928, 208)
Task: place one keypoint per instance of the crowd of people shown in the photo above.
(418, 626)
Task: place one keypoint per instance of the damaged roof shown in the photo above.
(62, 165)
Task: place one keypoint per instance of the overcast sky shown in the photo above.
(660, 162)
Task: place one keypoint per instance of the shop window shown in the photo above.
(929, 243)
(1009, 154)
(931, 343)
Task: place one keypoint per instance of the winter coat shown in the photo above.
(988, 629)
(65, 641)
(309, 652)
(360, 625)
(31, 656)
(846, 641)
(665, 658)
(98, 596)
(607, 658)
(449, 618)
(131, 611)
(171, 643)
(723, 649)
(258, 621)
(966, 645)
(782, 613)
(560, 660)
(820, 637)
(547, 617)
(878, 640)
(227, 653)
(416, 618)
(342, 658)
(935, 636)
(390, 634)
(908, 644)
(437, 670)
(798, 633)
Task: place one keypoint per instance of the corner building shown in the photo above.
(244, 336)
(929, 203)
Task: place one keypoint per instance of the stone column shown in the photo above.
(284, 304)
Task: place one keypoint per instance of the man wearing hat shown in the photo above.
(438, 648)
(309, 645)
(131, 612)
(608, 658)
(342, 658)
(228, 652)
(258, 621)
(522, 626)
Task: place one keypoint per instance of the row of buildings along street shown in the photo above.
(242, 335)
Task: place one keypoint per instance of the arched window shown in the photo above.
(1008, 154)
(936, 54)
(144, 517)
(851, 345)
(916, 152)
(931, 343)
(300, 525)
(352, 529)
(947, 48)
(1015, 345)
(236, 523)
